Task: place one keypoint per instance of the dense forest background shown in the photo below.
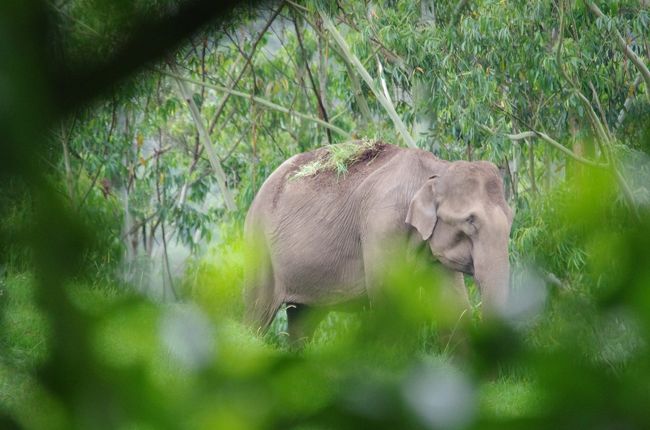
(136, 134)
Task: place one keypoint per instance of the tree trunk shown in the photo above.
(127, 222)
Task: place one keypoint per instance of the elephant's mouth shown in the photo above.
(460, 265)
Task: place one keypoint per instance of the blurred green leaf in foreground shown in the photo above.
(103, 172)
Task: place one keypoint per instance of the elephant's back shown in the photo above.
(293, 175)
(302, 173)
(292, 191)
(265, 203)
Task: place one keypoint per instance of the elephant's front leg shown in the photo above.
(382, 254)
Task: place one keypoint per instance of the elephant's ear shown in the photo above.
(422, 210)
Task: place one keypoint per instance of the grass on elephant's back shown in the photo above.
(339, 157)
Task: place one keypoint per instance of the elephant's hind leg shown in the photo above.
(261, 299)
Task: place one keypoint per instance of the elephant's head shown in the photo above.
(463, 214)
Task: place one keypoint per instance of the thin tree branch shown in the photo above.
(77, 20)
(622, 43)
(603, 139)
(65, 141)
(603, 119)
(298, 6)
(358, 95)
(354, 81)
(248, 59)
(259, 101)
(513, 185)
(92, 185)
(350, 57)
(596, 125)
(391, 56)
(322, 47)
(212, 156)
(546, 138)
(380, 72)
(628, 101)
(321, 105)
(233, 147)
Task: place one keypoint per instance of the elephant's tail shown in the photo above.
(260, 296)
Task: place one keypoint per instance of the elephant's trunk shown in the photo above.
(492, 274)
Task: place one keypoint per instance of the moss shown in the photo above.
(339, 157)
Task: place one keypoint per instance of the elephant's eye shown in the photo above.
(471, 219)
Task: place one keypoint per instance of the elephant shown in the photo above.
(322, 239)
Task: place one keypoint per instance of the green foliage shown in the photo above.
(338, 157)
(214, 280)
(193, 365)
(558, 235)
(14, 210)
(24, 342)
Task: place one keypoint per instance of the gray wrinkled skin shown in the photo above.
(325, 239)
